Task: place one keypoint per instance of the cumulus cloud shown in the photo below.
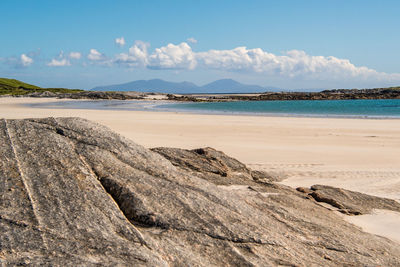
(294, 64)
(136, 56)
(75, 55)
(22, 61)
(191, 40)
(25, 60)
(173, 57)
(291, 64)
(120, 41)
(95, 55)
(59, 62)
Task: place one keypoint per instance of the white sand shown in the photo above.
(357, 154)
(381, 222)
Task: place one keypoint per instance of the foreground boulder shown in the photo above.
(75, 193)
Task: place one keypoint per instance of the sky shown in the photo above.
(289, 44)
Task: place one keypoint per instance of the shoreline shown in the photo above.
(333, 94)
(161, 105)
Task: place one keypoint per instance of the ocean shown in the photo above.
(382, 108)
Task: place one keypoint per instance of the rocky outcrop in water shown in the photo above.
(91, 95)
(73, 193)
(337, 94)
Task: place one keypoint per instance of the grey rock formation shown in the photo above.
(349, 202)
(215, 166)
(92, 95)
(74, 193)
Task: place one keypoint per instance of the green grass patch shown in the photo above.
(14, 87)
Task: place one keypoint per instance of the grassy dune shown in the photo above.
(15, 87)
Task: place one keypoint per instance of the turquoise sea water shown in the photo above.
(386, 108)
(311, 108)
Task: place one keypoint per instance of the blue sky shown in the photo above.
(288, 44)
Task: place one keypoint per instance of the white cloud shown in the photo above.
(291, 64)
(120, 41)
(25, 60)
(136, 56)
(95, 55)
(191, 40)
(22, 61)
(62, 60)
(294, 64)
(59, 62)
(173, 57)
(75, 55)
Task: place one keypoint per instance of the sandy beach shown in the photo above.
(355, 154)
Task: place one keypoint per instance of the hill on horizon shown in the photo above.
(161, 86)
(13, 83)
(16, 87)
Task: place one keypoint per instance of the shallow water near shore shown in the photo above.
(380, 108)
(133, 105)
(374, 109)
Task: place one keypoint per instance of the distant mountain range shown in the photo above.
(161, 86)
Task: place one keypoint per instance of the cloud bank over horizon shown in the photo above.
(292, 65)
